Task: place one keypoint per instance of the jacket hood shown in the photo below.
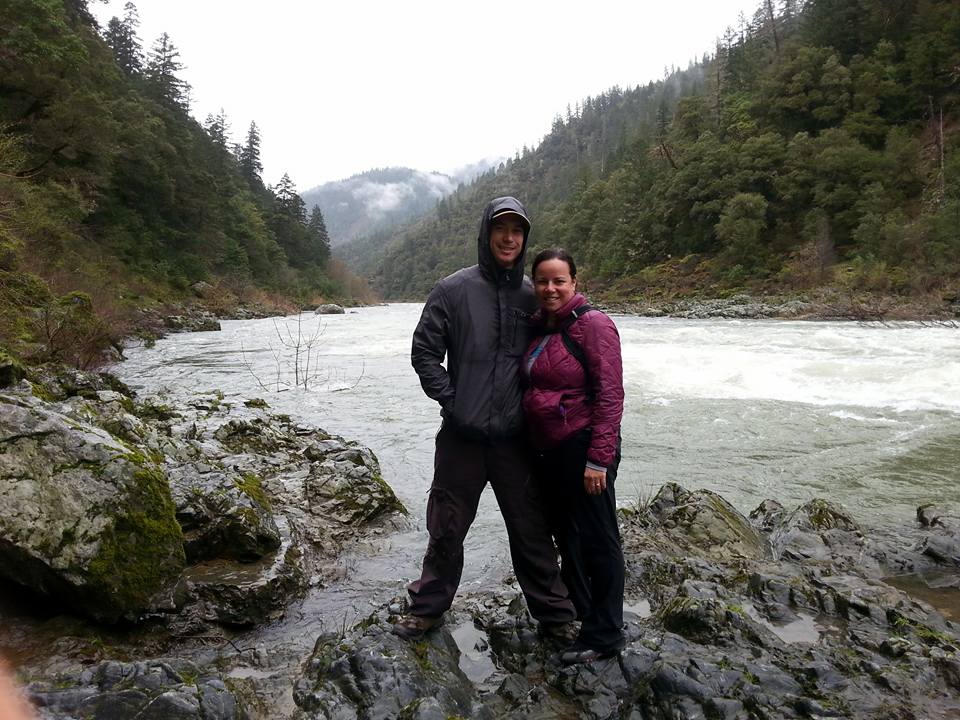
(512, 276)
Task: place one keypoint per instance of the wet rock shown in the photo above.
(346, 487)
(255, 435)
(238, 594)
(223, 514)
(819, 531)
(706, 520)
(767, 515)
(329, 309)
(57, 382)
(375, 674)
(86, 519)
(155, 690)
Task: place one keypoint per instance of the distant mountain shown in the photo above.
(376, 200)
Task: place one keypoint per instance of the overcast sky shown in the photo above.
(341, 87)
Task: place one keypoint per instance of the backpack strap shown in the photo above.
(575, 348)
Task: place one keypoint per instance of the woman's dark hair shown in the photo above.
(554, 254)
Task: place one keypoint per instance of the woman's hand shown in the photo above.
(594, 481)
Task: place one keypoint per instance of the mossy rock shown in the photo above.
(143, 547)
(86, 521)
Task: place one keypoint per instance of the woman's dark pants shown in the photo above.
(462, 468)
(585, 527)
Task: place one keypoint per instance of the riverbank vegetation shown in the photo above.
(813, 150)
(113, 198)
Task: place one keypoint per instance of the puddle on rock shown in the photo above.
(242, 673)
(640, 608)
(804, 629)
(476, 661)
(942, 590)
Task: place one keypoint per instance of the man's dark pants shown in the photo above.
(462, 468)
(587, 534)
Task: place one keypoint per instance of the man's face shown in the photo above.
(506, 240)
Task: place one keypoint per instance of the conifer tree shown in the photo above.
(218, 128)
(121, 36)
(289, 202)
(319, 235)
(162, 69)
(250, 164)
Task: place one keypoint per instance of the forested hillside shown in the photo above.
(816, 145)
(112, 196)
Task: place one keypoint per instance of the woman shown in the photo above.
(573, 405)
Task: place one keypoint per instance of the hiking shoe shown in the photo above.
(414, 626)
(578, 656)
(561, 632)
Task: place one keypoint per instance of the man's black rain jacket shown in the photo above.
(479, 318)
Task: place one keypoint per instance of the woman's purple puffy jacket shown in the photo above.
(556, 402)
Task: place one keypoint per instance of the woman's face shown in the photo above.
(554, 286)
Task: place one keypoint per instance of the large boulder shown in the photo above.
(85, 518)
(707, 521)
(346, 486)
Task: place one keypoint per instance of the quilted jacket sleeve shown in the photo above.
(430, 347)
(601, 345)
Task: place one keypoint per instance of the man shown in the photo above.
(478, 318)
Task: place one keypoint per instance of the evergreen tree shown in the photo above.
(218, 128)
(250, 165)
(289, 201)
(318, 235)
(121, 36)
(161, 73)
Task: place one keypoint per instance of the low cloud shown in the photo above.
(383, 197)
(439, 185)
(379, 198)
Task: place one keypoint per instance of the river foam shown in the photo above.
(905, 368)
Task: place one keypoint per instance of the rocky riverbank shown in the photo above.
(154, 523)
(147, 540)
(785, 614)
(824, 305)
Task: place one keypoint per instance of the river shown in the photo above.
(865, 415)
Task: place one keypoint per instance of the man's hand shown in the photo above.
(594, 481)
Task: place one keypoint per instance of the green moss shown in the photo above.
(903, 626)
(41, 391)
(190, 677)
(369, 621)
(143, 547)
(156, 411)
(823, 516)
(251, 486)
(256, 403)
(421, 651)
